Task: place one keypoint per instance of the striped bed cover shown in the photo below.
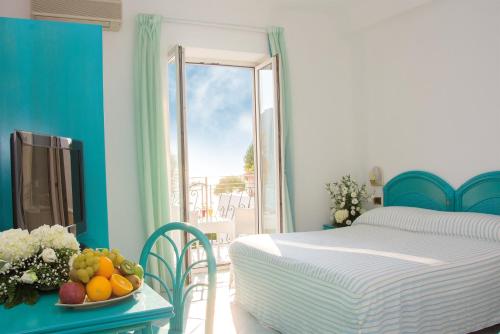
(396, 270)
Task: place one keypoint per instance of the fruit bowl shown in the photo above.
(90, 304)
(99, 277)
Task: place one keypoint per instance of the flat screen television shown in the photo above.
(47, 181)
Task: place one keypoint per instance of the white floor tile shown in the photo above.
(229, 317)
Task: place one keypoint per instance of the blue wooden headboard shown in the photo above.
(419, 189)
(480, 194)
(426, 190)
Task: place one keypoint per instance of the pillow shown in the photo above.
(461, 224)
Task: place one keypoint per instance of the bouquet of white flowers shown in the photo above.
(347, 199)
(34, 261)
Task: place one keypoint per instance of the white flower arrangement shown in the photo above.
(347, 199)
(34, 261)
(16, 245)
(55, 237)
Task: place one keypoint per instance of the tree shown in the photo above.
(249, 164)
(228, 184)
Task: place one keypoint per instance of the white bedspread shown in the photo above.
(369, 278)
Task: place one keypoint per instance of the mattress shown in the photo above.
(394, 271)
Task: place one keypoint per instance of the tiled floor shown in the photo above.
(230, 319)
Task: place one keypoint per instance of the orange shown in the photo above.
(98, 288)
(106, 267)
(120, 285)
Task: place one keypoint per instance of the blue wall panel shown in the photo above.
(51, 83)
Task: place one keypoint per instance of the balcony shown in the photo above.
(223, 208)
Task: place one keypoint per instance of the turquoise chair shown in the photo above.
(179, 292)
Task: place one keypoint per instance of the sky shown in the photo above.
(219, 118)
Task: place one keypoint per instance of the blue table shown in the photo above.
(135, 313)
(332, 226)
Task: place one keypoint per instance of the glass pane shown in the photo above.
(174, 149)
(220, 136)
(268, 153)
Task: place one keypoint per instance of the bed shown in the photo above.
(428, 262)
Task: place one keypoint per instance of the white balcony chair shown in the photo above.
(244, 222)
(218, 225)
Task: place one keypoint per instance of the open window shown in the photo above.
(225, 204)
(269, 146)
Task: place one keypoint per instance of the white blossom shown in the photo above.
(354, 201)
(341, 215)
(29, 277)
(55, 237)
(4, 266)
(49, 255)
(71, 259)
(348, 222)
(16, 245)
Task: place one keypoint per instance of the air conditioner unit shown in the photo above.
(107, 13)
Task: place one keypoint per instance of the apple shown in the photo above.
(72, 293)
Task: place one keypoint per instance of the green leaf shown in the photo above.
(14, 299)
(2, 263)
(31, 296)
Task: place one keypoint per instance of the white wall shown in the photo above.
(324, 145)
(19, 9)
(427, 90)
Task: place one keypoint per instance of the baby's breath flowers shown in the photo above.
(34, 261)
(346, 200)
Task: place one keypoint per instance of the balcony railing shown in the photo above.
(213, 207)
(212, 200)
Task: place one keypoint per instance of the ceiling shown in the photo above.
(315, 3)
(359, 14)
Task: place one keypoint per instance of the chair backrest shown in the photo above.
(223, 206)
(244, 222)
(179, 291)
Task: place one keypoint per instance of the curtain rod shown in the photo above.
(215, 25)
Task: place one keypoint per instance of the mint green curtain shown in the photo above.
(150, 130)
(277, 47)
